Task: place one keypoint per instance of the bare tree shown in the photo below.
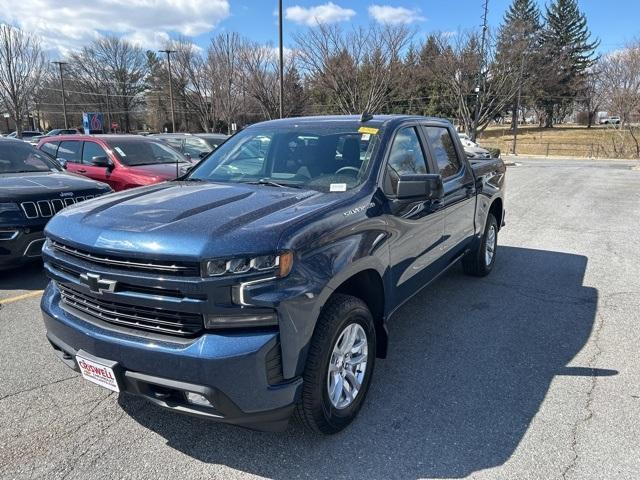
(354, 70)
(621, 86)
(457, 67)
(223, 63)
(114, 65)
(260, 78)
(22, 64)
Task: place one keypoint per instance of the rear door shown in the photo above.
(416, 225)
(459, 188)
(71, 152)
(91, 150)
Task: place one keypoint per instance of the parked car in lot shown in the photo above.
(33, 188)
(122, 161)
(26, 134)
(614, 120)
(262, 282)
(193, 145)
(472, 149)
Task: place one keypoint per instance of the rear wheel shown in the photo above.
(480, 261)
(339, 365)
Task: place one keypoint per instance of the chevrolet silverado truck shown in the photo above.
(33, 189)
(260, 284)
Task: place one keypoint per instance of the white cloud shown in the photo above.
(68, 24)
(395, 15)
(326, 13)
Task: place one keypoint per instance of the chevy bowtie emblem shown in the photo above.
(98, 284)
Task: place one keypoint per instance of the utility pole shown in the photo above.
(173, 114)
(480, 80)
(281, 54)
(64, 100)
(517, 112)
(108, 109)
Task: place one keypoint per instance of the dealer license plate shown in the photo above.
(97, 373)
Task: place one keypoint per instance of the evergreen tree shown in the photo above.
(517, 46)
(566, 44)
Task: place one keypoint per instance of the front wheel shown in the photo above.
(479, 262)
(339, 365)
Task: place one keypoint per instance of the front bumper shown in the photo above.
(19, 245)
(229, 369)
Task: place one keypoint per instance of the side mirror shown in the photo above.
(188, 155)
(62, 162)
(101, 161)
(426, 186)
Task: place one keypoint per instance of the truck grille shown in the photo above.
(145, 318)
(176, 268)
(48, 208)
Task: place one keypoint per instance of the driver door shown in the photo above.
(89, 151)
(416, 225)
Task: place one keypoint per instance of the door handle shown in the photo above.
(81, 170)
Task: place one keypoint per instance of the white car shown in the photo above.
(466, 141)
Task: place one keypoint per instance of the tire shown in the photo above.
(316, 410)
(477, 262)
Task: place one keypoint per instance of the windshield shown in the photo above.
(144, 152)
(21, 158)
(325, 157)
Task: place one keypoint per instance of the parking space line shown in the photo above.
(17, 298)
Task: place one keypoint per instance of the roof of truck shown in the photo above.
(372, 121)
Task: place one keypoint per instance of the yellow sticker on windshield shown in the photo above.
(372, 131)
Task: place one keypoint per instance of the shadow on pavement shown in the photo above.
(469, 365)
(30, 276)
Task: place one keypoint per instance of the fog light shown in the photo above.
(197, 399)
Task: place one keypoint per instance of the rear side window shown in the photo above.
(444, 151)
(50, 148)
(196, 147)
(70, 151)
(90, 150)
(406, 158)
(174, 142)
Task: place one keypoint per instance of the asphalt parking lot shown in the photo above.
(533, 372)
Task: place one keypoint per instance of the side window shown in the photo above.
(195, 147)
(174, 142)
(50, 148)
(406, 158)
(444, 151)
(90, 150)
(70, 151)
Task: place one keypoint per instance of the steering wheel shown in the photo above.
(348, 169)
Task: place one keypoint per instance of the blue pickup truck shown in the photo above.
(260, 284)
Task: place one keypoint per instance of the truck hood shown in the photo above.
(188, 220)
(27, 186)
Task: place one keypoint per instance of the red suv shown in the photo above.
(122, 161)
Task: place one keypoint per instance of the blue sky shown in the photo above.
(613, 21)
(68, 24)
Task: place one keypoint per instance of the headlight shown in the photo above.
(279, 264)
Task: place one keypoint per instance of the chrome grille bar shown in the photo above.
(161, 321)
(128, 264)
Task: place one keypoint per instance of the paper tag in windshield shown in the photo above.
(366, 137)
(119, 150)
(369, 130)
(338, 187)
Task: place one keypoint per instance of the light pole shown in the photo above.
(480, 81)
(173, 115)
(64, 100)
(281, 53)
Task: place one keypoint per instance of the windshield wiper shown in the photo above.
(271, 183)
